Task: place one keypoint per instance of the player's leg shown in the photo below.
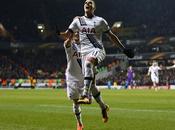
(97, 96)
(89, 74)
(77, 112)
(89, 63)
(126, 84)
(157, 84)
(73, 94)
(88, 77)
(104, 107)
(130, 84)
(153, 82)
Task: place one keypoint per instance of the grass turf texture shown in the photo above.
(51, 110)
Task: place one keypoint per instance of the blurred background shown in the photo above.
(30, 49)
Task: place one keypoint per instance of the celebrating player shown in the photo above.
(90, 29)
(74, 79)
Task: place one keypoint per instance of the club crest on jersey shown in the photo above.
(88, 30)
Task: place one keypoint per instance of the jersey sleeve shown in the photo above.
(68, 51)
(105, 25)
(159, 68)
(74, 25)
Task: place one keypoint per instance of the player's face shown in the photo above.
(89, 6)
(154, 64)
(130, 67)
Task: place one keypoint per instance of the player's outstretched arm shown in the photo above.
(115, 40)
(68, 34)
(170, 67)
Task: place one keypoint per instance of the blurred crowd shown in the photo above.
(28, 60)
(51, 64)
(40, 64)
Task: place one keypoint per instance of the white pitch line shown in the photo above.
(113, 109)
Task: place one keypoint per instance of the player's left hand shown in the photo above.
(128, 52)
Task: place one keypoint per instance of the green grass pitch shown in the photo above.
(51, 110)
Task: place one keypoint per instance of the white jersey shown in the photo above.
(90, 32)
(154, 70)
(73, 70)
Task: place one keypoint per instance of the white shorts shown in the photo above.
(155, 79)
(74, 89)
(97, 53)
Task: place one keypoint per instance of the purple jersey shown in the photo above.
(130, 74)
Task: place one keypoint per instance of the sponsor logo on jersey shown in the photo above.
(77, 54)
(88, 30)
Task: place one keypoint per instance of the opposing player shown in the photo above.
(154, 72)
(130, 82)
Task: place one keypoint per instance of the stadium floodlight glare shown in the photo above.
(41, 26)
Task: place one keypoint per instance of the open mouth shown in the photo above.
(87, 7)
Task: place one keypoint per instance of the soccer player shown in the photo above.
(74, 80)
(130, 78)
(154, 72)
(91, 28)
